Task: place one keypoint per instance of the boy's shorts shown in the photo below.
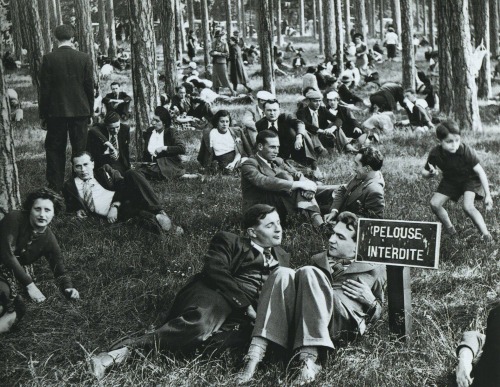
(454, 190)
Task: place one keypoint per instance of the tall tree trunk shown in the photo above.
(265, 35)
(424, 17)
(28, 11)
(408, 53)
(432, 16)
(17, 34)
(238, 16)
(396, 16)
(190, 14)
(110, 16)
(315, 17)
(103, 27)
(417, 15)
(329, 27)
(167, 26)
(482, 35)
(321, 33)
(339, 34)
(301, 18)
(10, 197)
(347, 22)
(178, 35)
(381, 13)
(229, 19)
(44, 12)
(57, 10)
(458, 92)
(371, 20)
(144, 71)
(360, 17)
(205, 33)
(494, 43)
(85, 34)
(243, 19)
(278, 22)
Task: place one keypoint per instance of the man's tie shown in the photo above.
(272, 127)
(114, 141)
(315, 121)
(269, 260)
(87, 195)
(338, 265)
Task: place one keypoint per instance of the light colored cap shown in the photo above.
(265, 95)
(314, 94)
(332, 95)
(192, 65)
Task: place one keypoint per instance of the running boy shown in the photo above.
(462, 175)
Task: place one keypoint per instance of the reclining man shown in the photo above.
(225, 294)
(335, 298)
(267, 178)
(105, 192)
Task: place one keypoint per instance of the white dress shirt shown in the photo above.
(155, 141)
(260, 249)
(102, 197)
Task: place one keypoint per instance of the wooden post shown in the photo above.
(320, 27)
(205, 33)
(399, 301)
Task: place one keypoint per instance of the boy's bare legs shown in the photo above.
(473, 212)
(437, 202)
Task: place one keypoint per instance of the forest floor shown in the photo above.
(127, 276)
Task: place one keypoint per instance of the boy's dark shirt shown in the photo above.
(456, 167)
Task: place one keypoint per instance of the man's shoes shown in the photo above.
(246, 374)
(307, 373)
(97, 367)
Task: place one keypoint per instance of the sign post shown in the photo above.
(400, 245)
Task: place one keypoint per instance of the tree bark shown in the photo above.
(301, 18)
(278, 21)
(205, 33)
(17, 34)
(360, 17)
(103, 27)
(178, 34)
(315, 17)
(44, 12)
(321, 34)
(347, 23)
(229, 19)
(57, 11)
(28, 11)
(243, 19)
(190, 14)
(494, 42)
(85, 35)
(339, 34)
(144, 70)
(371, 20)
(265, 36)
(167, 26)
(482, 35)
(381, 13)
(432, 16)
(110, 16)
(10, 197)
(417, 15)
(409, 72)
(396, 16)
(457, 88)
(329, 27)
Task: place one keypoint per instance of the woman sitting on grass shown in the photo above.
(25, 237)
(224, 145)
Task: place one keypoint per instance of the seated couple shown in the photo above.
(246, 280)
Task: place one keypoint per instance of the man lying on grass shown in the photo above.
(214, 303)
(333, 299)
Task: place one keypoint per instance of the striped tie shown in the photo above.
(113, 140)
(87, 195)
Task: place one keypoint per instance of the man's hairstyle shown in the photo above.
(270, 102)
(64, 32)
(44, 193)
(264, 135)
(410, 90)
(255, 214)
(114, 83)
(372, 157)
(80, 154)
(445, 128)
(217, 116)
(350, 220)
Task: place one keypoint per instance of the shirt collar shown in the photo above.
(263, 159)
(272, 123)
(260, 249)
(80, 182)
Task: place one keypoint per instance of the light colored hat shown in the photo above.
(192, 65)
(332, 95)
(265, 95)
(314, 94)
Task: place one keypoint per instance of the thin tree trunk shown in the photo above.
(417, 15)
(57, 8)
(432, 16)
(372, 19)
(265, 35)
(85, 33)
(339, 35)
(44, 12)
(494, 42)
(329, 27)
(17, 34)
(182, 29)
(103, 27)
(360, 17)
(315, 16)
(301, 18)
(243, 19)
(396, 16)
(408, 53)
(321, 33)
(144, 70)
(205, 33)
(347, 18)
(482, 35)
(10, 197)
(178, 37)
(381, 12)
(167, 28)
(229, 19)
(238, 16)
(110, 16)
(190, 14)
(278, 22)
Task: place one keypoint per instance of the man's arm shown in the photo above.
(250, 171)
(467, 350)
(125, 97)
(302, 116)
(374, 204)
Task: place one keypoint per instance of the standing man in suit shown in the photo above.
(334, 298)
(117, 101)
(217, 306)
(267, 178)
(325, 129)
(108, 143)
(364, 194)
(66, 102)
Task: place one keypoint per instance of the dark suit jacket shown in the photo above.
(66, 84)
(98, 135)
(365, 200)
(175, 146)
(205, 153)
(347, 96)
(259, 183)
(106, 176)
(121, 95)
(348, 121)
(324, 119)
(176, 101)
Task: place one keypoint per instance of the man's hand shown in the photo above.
(231, 166)
(160, 149)
(112, 150)
(433, 171)
(250, 312)
(81, 214)
(35, 294)
(463, 371)
(331, 131)
(299, 142)
(331, 216)
(359, 291)
(357, 130)
(112, 215)
(488, 203)
(72, 293)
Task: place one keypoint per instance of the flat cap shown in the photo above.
(265, 95)
(314, 94)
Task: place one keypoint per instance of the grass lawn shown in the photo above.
(127, 276)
